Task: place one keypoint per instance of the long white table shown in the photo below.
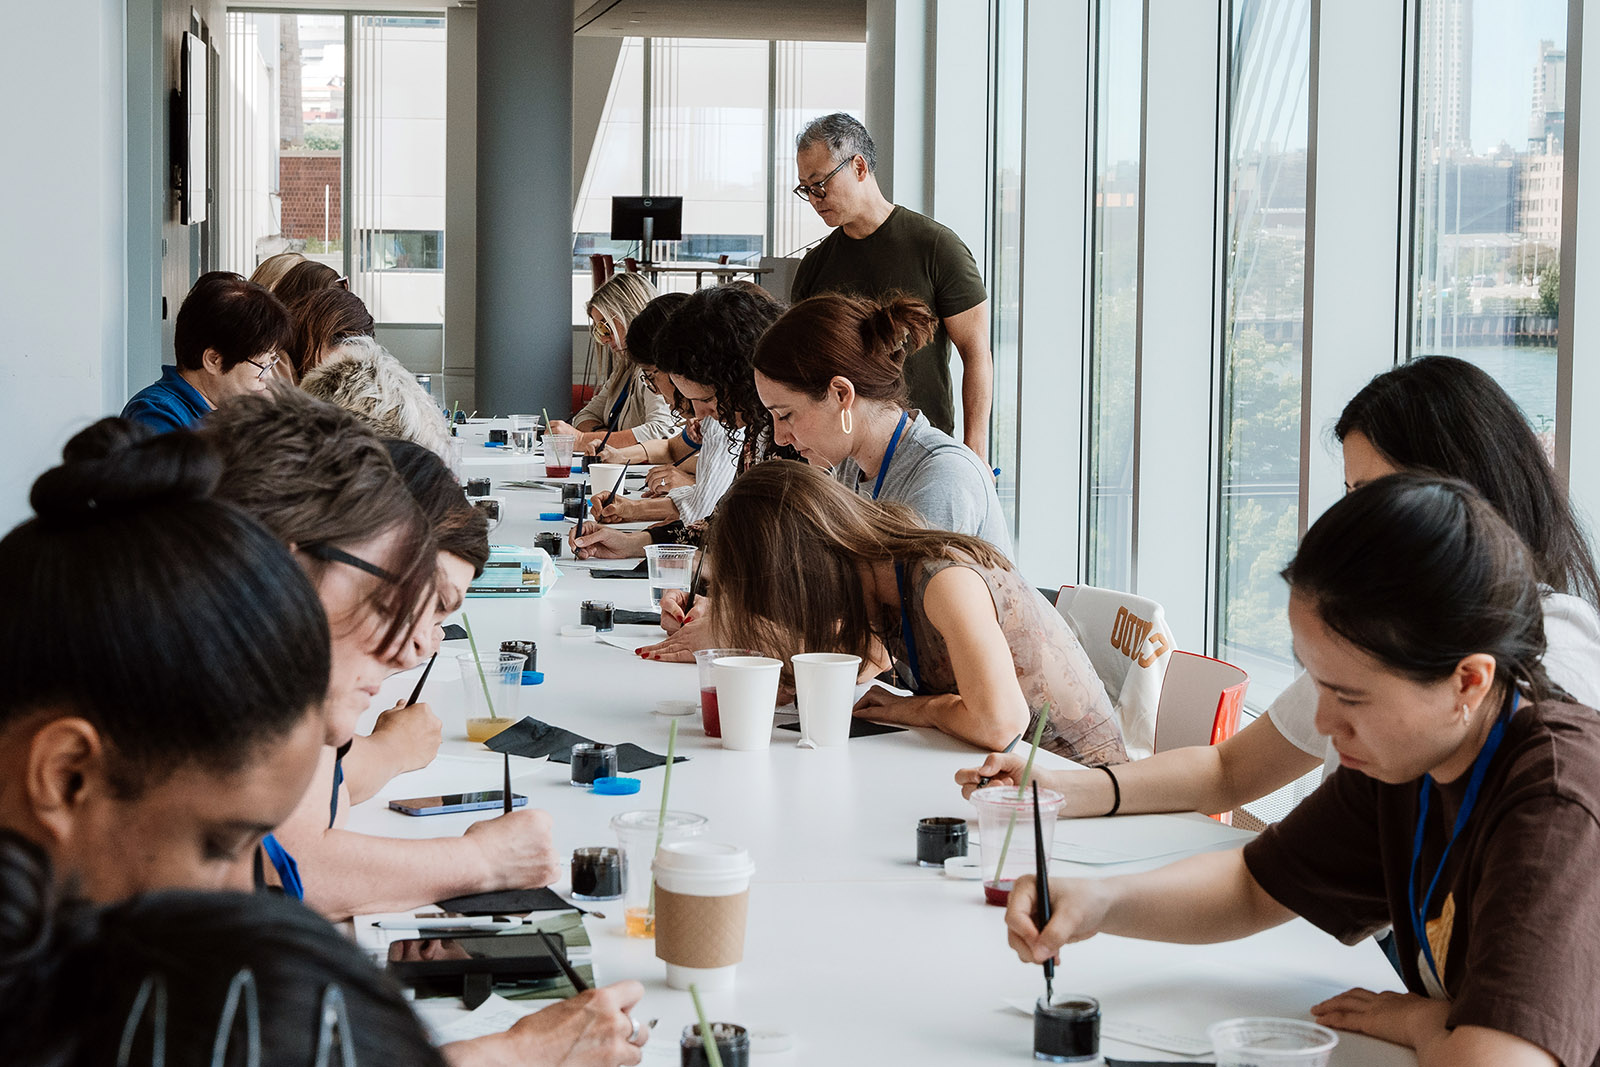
(853, 949)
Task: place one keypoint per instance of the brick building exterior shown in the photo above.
(308, 182)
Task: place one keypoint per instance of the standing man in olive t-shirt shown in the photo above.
(878, 248)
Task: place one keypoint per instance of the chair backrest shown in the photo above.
(1129, 642)
(631, 264)
(1201, 699)
(597, 269)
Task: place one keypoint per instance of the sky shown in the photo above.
(1505, 44)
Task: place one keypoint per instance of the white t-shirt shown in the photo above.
(1572, 659)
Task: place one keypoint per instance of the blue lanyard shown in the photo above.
(905, 626)
(622, 398)
(1480, 769)
(888, 453)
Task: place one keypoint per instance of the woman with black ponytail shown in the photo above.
(165, 663)
(1465, 812)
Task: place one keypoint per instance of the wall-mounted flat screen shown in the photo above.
(195, 179)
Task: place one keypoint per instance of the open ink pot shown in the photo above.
(477, 486)
(1067, 1031)
(940, 838)
(733, 1046)
(591, 761)
(601, 614)
(596, 873)
(550, 542)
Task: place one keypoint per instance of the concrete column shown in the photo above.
(900, 98)
(524, 302)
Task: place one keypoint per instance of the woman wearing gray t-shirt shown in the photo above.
(831, 371)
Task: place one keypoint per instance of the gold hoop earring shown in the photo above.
(847, 421)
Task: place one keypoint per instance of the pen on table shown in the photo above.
(1042, 876)
(507, 797)
(498, 922)
(985, 781)
(417, 692)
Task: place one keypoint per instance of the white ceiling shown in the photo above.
(759, 20)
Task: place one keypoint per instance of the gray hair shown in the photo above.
(843, 135)
(360, 376)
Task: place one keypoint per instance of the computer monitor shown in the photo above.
(646, 219)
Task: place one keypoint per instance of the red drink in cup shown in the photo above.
(710, 720)
(552, 471)
(710, 713)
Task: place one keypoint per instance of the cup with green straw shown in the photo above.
(661, 820)
(483, 679)
(1022, 789)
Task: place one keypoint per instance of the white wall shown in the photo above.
(64, 216)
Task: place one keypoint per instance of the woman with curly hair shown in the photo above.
(708, 348)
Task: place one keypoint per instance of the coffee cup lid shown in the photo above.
(616, 787)
(703, 857)
(577, 630)
(967, 868)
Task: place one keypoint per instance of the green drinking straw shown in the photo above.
(490, 701)
(713, 1055)
(546, 413)
(661, 820)
(1022, 788)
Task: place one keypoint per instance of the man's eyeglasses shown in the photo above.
(815, 191)
(264, 369)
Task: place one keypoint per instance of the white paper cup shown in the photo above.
(702, 895)
(747, 696)
(825, 690)
(602, 476)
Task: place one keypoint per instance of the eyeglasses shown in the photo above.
(816, 191)
(649, 375)
(266, 369)
(331, 554)
(600, 330)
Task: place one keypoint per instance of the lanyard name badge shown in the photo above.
(888, 453)
(906, 635)
(1480, 770)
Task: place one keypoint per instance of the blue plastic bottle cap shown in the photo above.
(551, 516)
(616, 787)
(494, 444)
(533, 677)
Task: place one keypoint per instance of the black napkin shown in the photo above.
(637, 618)
(630, 758)
(506, 902)
(858, 728)
(532, 738)
(453, 632)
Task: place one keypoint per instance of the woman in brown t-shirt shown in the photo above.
(1465, 812)
(802, 564)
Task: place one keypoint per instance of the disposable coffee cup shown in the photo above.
(702, 899)
(824, 691)
(602, 479)
(747, 697)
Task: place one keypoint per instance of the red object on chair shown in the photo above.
(1201, 699)
(631, 264)
(600, 268)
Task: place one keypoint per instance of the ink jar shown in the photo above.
(526, 648)
(940, 838)
(1067, 1031)
(601, 614)
(591, 761)
(550, 542)
(596, 873)
(477, 487)
(733, 1046)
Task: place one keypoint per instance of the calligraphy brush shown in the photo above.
(1042, 876)
(985, 781)
(611, 497)
(417, 692)
(566, 966)
(694, 583)
(508, 783)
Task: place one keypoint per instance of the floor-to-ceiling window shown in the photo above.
(712, 121)
(1264, 272)
(1114, 291)
(336, 150)
(1008, 22)
(1487, 198)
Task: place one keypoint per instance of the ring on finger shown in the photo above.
(633, 1035)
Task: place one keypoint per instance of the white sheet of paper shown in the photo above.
(629, 642)
(1135, 838)
(494, 1016)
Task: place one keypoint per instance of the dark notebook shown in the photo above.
(532, 738)
(858, 728)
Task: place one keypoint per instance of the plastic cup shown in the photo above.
(997, 805)
(1263, 1042)
(603, 478)
(710, 720)
(825, 692)
(747, 697)
(702, 898)
(524, 434)
(503, 673)
(670, 567)
(636, 832)
(558, 454)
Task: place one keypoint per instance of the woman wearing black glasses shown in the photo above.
(229, 336)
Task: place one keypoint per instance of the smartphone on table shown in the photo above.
(449, 803)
